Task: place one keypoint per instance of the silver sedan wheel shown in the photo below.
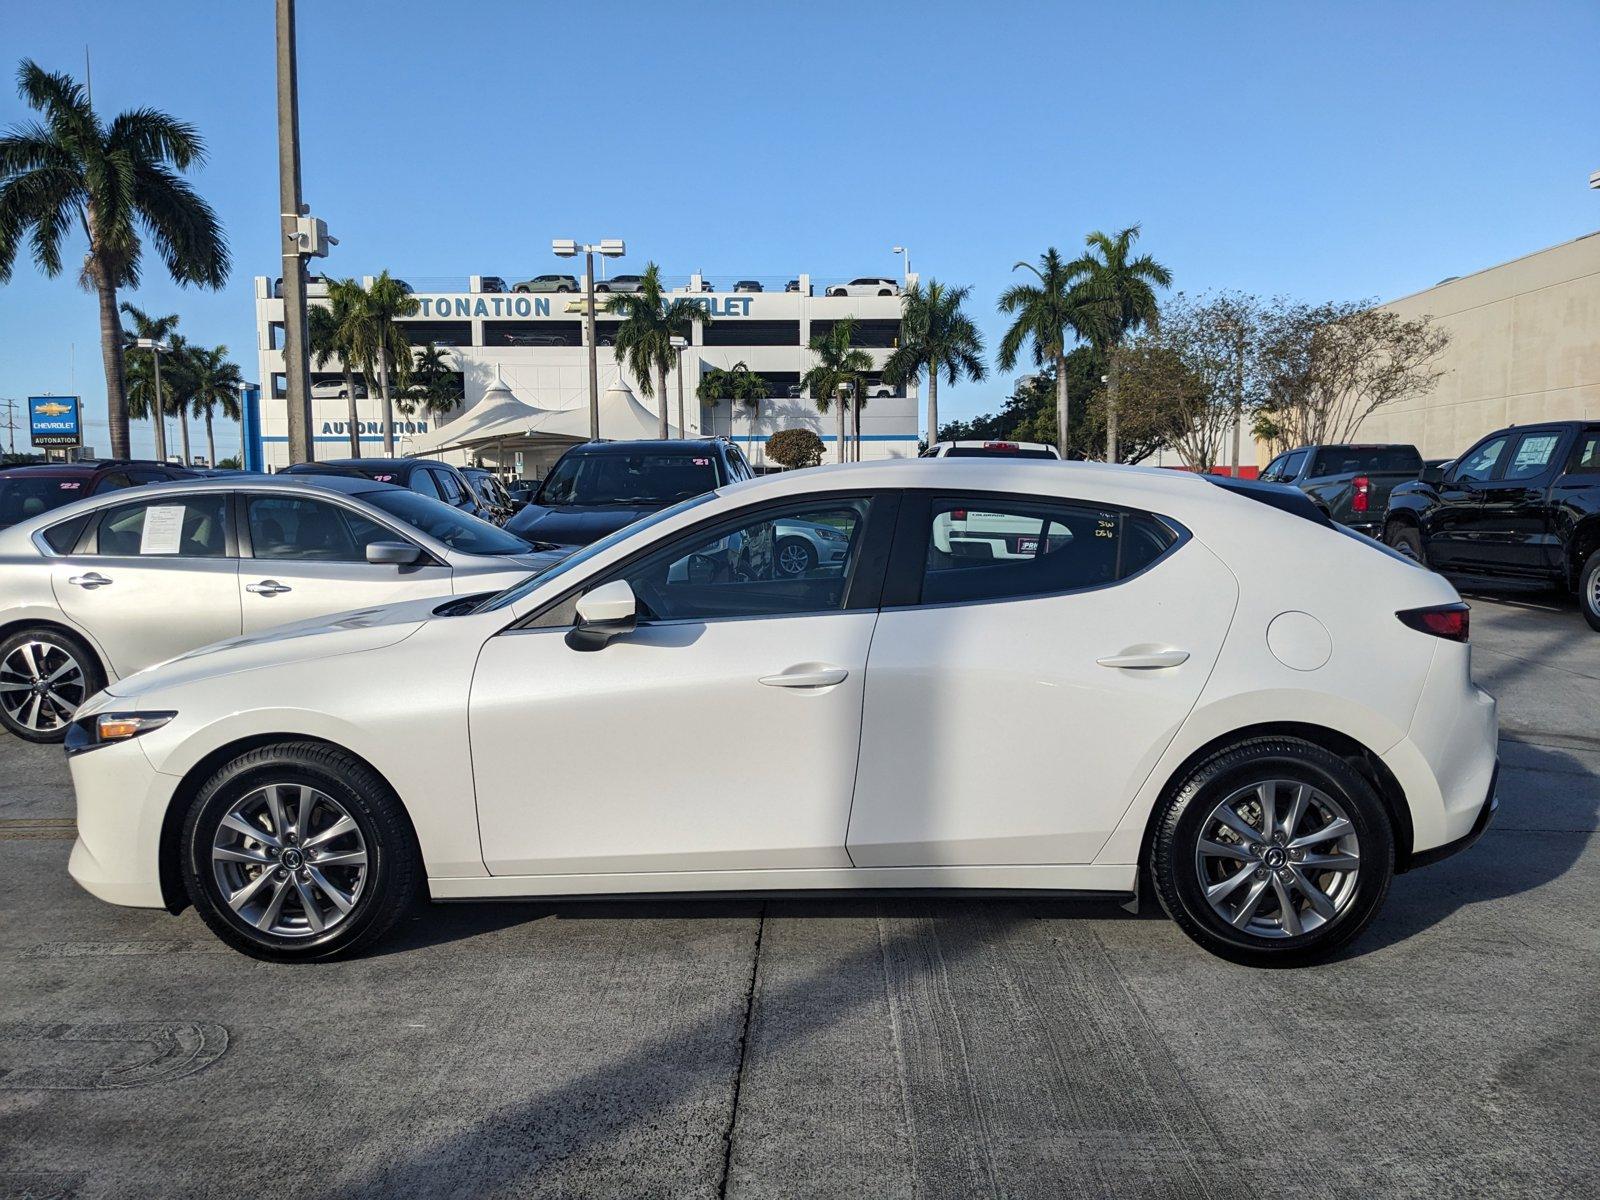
(289, 860)
(1278, 859)
(793, 559)
(41, 685)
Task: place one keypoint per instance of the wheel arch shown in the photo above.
(1585, 541)
(54, 622)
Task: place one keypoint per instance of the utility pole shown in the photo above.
(1238, 391)
(296, 351)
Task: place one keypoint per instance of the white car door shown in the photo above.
(305, 557)
(1032, 661)
(159, 579)
(721, 734)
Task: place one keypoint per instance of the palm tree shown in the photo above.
(1046, 313)
(141, 372)
(737, 384)
(435, 385)
(333, 333)
(214, 382)
(1122, 291)
(838, 364)
(935, 335)
(650, 320)
(380, 345)
(72, 170)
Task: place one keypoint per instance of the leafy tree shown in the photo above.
(379, 344)
(935, 335)
(140, 372)
(232, 462)
(435, 383)
(214, 382)
(71, 170)
(650, 320)
(1045, 315)
(335, 332)
(838, 364)
(1029, 413)
(794, 448)
(738, 385)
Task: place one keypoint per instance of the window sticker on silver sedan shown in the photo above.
(163, 529)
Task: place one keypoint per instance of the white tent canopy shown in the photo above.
(499, 416)
(508, 423)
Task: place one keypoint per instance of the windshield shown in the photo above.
(27, 496)
(518, 590)
(456, 529)
(641, 477)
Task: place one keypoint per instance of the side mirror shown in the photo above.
(394, 554)
(1433, 476)
(607, 612)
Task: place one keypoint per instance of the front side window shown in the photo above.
(421, 483)
(629, 477)
(449, 487)
(456, 529)
(1479, 464)
(195, 527)
(295, 529)
(1533, 455)
(1292, 464)
(796, 559)
(1274, 471)
(1586, 459)
(986, 549)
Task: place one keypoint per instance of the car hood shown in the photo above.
(576, 525)
(317, 637)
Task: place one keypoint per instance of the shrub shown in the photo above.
(795, 448)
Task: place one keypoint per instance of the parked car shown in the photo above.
(1522, 505)
(535, 339)
(596, 488)
(336, 389)
(548, 283)
(101, 589)
(1350, 483)
(425, 476)
(977, 448)
(754, 285)
(792, 286)
(620, 283)
(865, 286)
(491, 493)
(1266, 715)
(521, 491)
(491, 283)
(30, 489)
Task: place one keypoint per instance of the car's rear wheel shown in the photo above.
(1589, 590)
(45, 674)
(299, 851)
(1407, 539)
(1273, 852)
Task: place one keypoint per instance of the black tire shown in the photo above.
(1589, 590)
(56, 642)
(1407, 539)
(394, 876)
(791, 543)
(563, 288)
(1176, 872)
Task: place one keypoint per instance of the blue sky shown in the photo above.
(1319, 151)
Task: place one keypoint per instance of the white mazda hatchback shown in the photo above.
(1017, 676)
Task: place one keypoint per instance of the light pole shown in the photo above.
(679, 345)
(157, 349)
(296, 348)
(905, 258)
(844, 394)
(610, 248)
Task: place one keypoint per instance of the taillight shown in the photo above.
(1443, 620)
(1002, 447)
(1362, 497)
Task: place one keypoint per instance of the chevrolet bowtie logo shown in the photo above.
(52, 408)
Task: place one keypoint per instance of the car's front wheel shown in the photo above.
(1589, 590)
(1273, 852)
(299, 851)
(45, 674)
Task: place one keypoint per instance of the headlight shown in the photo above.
(831, 535)
(102, 729)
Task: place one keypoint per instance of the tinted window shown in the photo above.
(1481, 462)
(185, 528)
(1292, 464)
(25, 496)
(63, 537)
(286, 527)
(422, 483)
(641, 477)
(1533, 455)
(1353, 460)
(982, 549)
(112, 482)
(449, 486)
(1586, 458)
(1274, 470)
(456, 529)
(996, 452)
(787, 561)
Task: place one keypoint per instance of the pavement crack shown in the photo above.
(744, 1044)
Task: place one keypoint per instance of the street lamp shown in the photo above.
(905, 256)
(610, 248)
(157, 348)
(844, 394)
(679, 345)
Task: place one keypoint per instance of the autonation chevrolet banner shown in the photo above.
(53, 420)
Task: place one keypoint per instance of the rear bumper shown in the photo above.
(1491, 805)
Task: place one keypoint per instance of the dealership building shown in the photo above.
(527, 349)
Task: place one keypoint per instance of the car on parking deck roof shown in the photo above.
(1263, 714)
(96, 591)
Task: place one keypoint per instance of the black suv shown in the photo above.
(33, 488)
(425, 476)
(1522, 504)
(598, 487)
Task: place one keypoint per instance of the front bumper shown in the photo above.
(122, 803)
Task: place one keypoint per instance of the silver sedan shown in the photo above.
(105, 587)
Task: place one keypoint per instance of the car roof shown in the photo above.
(87, 466)
(642, 445)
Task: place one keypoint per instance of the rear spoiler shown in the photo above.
(1274, 495)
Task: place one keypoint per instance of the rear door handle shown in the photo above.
(267, 587)
(809, 677)
(1138, 659)
(91, 581)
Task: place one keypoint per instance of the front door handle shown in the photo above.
(807, 677)
(1138, 658)
(91, 581)
(267, 587)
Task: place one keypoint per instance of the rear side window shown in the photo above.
(1379, 460)
(166, 528)
(984, 549)
(63, 537)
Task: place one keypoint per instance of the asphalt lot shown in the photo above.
(838, 1047)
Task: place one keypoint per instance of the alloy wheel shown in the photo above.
(793, 559)
(289, 860)
(1593, 593)
(1278, 858)
(41, 685)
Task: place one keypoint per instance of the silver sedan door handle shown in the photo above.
(267, 587)
(91, 581)
(1138, 658)
(810, 677)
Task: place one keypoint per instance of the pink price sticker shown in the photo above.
(702, 462)
(70, 485)
(383, 478)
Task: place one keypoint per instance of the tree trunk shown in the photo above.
(183, 428)
(353, 417)
(211, 441)
(111, 354)
(1111, 417)
(388, 407)
(661, 395)
(933, 402)
(1062, 428)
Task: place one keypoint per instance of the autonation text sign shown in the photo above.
(528, 308)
